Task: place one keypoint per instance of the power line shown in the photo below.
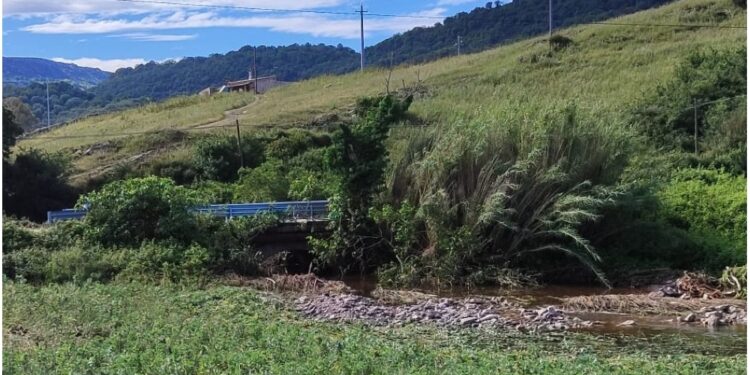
(278, 10)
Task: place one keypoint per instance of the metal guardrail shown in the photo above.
(300, 210)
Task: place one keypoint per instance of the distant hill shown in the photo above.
(22, 71)
(190, 75)
(480, 29)
(495, 24)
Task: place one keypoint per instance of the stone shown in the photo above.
(690, 318)
(627, 323)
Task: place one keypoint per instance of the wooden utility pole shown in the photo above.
(239, 143)
(550, 18)
(695, 125)
(255, 76)
(48, 118)
(362, 12)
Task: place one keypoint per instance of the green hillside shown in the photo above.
(604, 71)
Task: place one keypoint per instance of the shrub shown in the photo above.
(35, 183)
(293, 143)
(268, 182)
(706, 76)
(231, 243)
(125, 213)
(167, 262)
(28, 264)
(180, 171)
(216, 158)
(710, 205)
(84, 263)
(558, 42)
(16, 235)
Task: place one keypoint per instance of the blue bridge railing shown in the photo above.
(300, 210)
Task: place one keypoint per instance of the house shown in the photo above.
(246, 85)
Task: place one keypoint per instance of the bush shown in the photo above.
(707, 76)
(558, 42)
(711, 206)
(29, 264)
(167, 262)
(35, 183)
(216, 158)
(231, 243)
(16, 235)
(266, 183)
(126, 213)
(84, 263)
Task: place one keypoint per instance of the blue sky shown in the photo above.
(109, 34)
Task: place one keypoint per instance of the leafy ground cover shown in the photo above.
(130, 328)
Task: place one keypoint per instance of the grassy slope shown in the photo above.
(136, 328)
(606, 69)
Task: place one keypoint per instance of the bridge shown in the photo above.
(297, 221)
(298, 211)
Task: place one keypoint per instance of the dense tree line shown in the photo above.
(67, 102)
(190, 75)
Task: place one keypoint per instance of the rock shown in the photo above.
(712, 321)
(468, 320)
(489, 317)
(627, 323)
(690, 318)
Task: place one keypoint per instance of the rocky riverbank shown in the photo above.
(490, 313)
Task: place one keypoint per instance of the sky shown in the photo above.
(111, 34)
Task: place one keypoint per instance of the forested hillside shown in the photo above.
(486, 27)
(22, 71)
(190, 75)
(67, 102)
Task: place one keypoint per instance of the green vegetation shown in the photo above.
(493, 24)
(133, 327)
(572, 163)
(522, 160)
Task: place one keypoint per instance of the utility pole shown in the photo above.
(239, 143)
(362, 12)
(550, 18)
(695, 124)
(458, 44)
(255, 84)
(48, 121)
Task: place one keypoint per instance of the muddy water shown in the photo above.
(660, 333)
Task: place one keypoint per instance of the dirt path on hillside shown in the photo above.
(228, 119)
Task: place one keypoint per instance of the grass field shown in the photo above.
(147, 329)
(605, 70)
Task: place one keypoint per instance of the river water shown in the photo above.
(663, 333)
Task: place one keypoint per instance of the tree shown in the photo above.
(359, 156)
(22, 113)
(11, 131)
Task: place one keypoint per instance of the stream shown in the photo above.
(663, 334)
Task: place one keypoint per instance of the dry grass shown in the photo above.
(642, 304)
(307, 283)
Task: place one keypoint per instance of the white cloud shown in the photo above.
(110, 65)
(316, 25)
(145, 37)
(455, 2)
(26, 8)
